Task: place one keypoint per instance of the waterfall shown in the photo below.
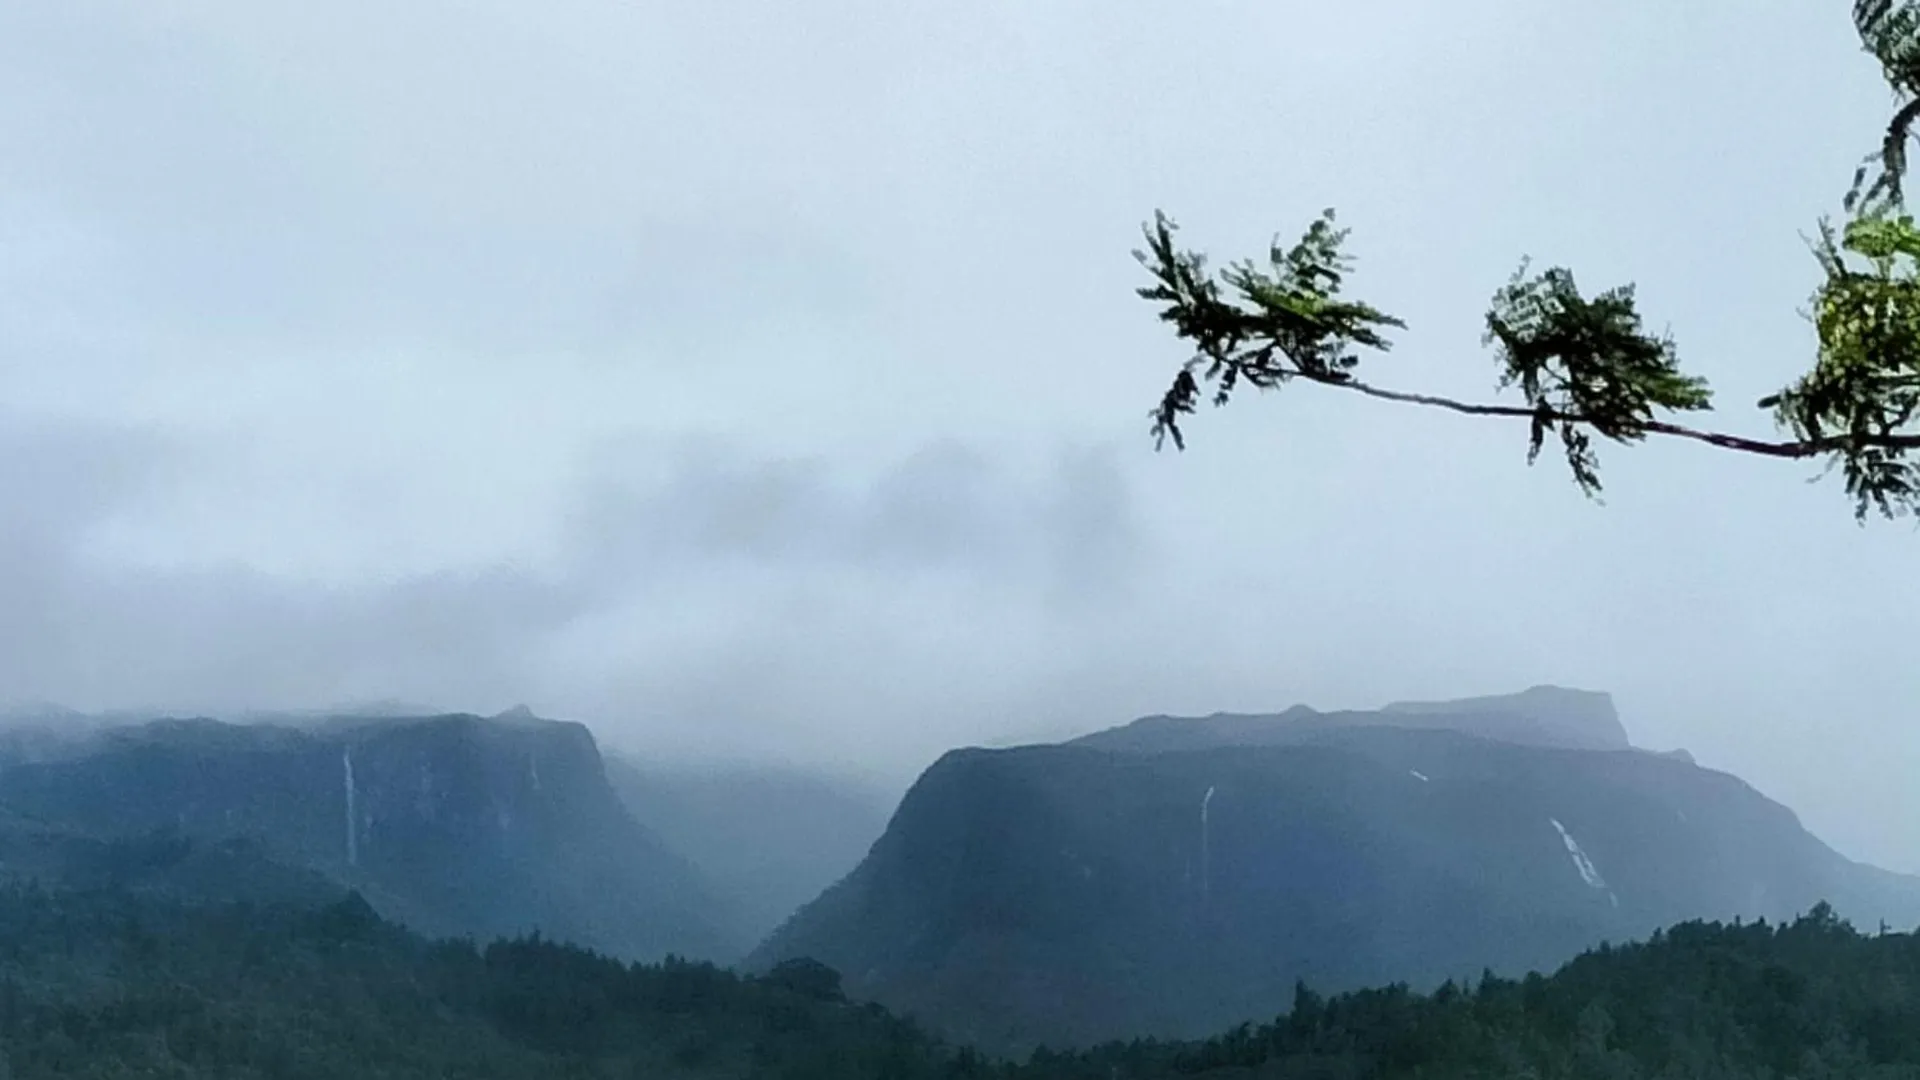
(353, 834)
(1206, 854)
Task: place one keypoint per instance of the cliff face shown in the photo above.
(1068, 894)
(453, 824)
(1539, 716)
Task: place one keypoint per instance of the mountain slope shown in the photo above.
(452, 824)
(1069, 894)
(162, 863)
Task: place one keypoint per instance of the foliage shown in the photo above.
(1293, 321)
(1890, 31)
(1812, 998)
(111, 984)
(1865, 386)
(1588, 358)
(1584, 365)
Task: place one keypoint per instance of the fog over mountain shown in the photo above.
(758, 381)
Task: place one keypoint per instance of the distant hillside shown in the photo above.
(162, 863)
(452, 824)
(765, 838)
(1130, 884)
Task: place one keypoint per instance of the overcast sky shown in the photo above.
(765, 378)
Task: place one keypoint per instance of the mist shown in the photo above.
(766, 382)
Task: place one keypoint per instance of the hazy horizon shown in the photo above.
(767, 381)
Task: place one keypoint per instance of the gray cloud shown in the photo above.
(725, 564)
(761, 378)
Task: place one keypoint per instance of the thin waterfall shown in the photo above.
(1206, 854)
(353, 834)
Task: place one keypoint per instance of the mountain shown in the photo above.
(1173, 877)
(36, 733)
(767, 838)
(1540, 716)
(162, 863)
(456, 825)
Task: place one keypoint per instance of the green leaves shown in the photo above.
(1282, 320)
(1584, 363)
(1890, 31)
(1864, 389)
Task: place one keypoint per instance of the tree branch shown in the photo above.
(1892, 160)
(1794, 448)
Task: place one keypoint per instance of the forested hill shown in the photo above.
(113, 984)
(1701, 1001)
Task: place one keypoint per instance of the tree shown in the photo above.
(1584, 365)
(807, 977)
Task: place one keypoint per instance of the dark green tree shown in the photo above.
(807, 977)
(1584, 365)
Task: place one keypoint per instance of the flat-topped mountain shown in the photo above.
(1541, 716)
(1538, 716)
(1172, 877)
(453, 824)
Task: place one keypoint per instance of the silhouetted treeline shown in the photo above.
(1812, 999)
(113, 984)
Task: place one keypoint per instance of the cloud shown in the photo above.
(363, 351)
(700, 602)
(944, 511)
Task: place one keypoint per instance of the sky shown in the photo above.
(766, 380)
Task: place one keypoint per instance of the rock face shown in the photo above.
(1540, 716)
(1166, 879)
(453, 824)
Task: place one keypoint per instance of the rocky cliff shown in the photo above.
(454, 824)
